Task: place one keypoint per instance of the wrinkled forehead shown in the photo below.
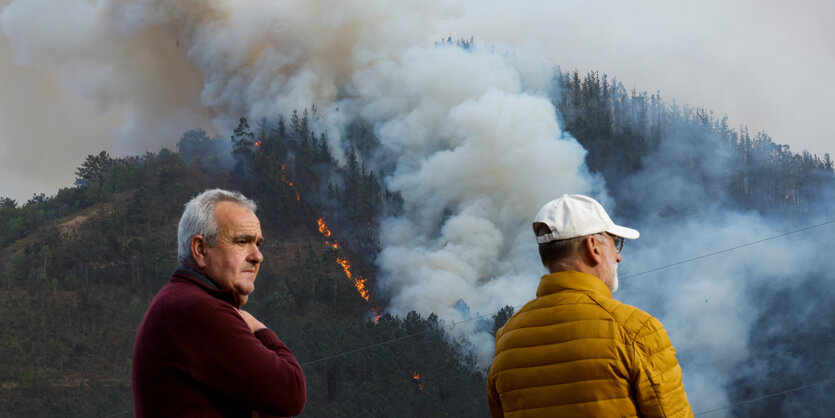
(233, 217)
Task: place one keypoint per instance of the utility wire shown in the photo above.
(370, 346)
(388, 341)
(120, 414)
(731, 249)
(631, 275)
(766, 396)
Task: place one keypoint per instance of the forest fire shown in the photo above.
(359, 282)
(378, 313)
(288, 182)
(416, 378)
(323, 229)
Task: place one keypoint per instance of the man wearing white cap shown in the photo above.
(574, 351)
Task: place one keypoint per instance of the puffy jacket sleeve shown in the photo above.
(493, 400)
(659, 391)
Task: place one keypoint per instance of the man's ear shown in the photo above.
(199, 245)
(593, 250)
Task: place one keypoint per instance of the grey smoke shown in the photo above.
(469, 139)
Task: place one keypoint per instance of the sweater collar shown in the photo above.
(572, 281)
(207, 284)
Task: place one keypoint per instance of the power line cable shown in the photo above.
(766, 396)
(120, 413)
(389, 341)
(370, 346)
(730, 249)
(631, 275)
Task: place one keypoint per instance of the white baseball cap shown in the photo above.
(572, 216)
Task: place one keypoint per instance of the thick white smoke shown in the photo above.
(474, 161)
(471, 135)
(469, 139)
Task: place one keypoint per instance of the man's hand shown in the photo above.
(254, 324)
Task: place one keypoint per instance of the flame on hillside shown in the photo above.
(416, 378)
(288, 182)
(323, 229)
(377, 314)
(359, 282)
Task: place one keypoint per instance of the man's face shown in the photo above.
(233, 262)
(611, 258)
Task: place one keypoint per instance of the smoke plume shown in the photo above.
(469, 139)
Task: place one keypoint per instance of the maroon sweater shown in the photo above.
(195, 356)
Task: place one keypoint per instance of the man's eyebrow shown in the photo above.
(247, 237)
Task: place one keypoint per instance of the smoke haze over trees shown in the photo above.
(101, 250)
(427, 161)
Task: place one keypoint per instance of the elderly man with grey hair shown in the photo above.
(197, 353)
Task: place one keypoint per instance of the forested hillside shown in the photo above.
(670, 167)
(627, 133)
(81, 267)
(78, 269)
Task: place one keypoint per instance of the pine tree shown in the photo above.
(242, 142)
(95, 168)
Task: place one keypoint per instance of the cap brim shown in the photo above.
(623, 231)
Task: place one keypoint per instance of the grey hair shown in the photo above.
(559, 249)
(564, 248)
(199, 219)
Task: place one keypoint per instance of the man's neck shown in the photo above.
(200, 276)
(571, 265)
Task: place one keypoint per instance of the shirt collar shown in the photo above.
(201, 279)
(196, 275)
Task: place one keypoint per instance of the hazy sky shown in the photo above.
(764, 64)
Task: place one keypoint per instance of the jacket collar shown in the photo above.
(194, 276)
(573, 281)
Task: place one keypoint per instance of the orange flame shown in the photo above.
(377, 314)
(416, 378)
(258, 144)
(323, 229)
(284, 175)
(359, 282)
(360, 285)
(288, 182)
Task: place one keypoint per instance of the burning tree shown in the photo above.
(359, 282)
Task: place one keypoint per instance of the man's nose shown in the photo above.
(618, 258)
(255, 255)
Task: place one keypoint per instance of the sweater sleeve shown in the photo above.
(222, 354)
(659, 391)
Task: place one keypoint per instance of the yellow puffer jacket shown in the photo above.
(576, 352)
